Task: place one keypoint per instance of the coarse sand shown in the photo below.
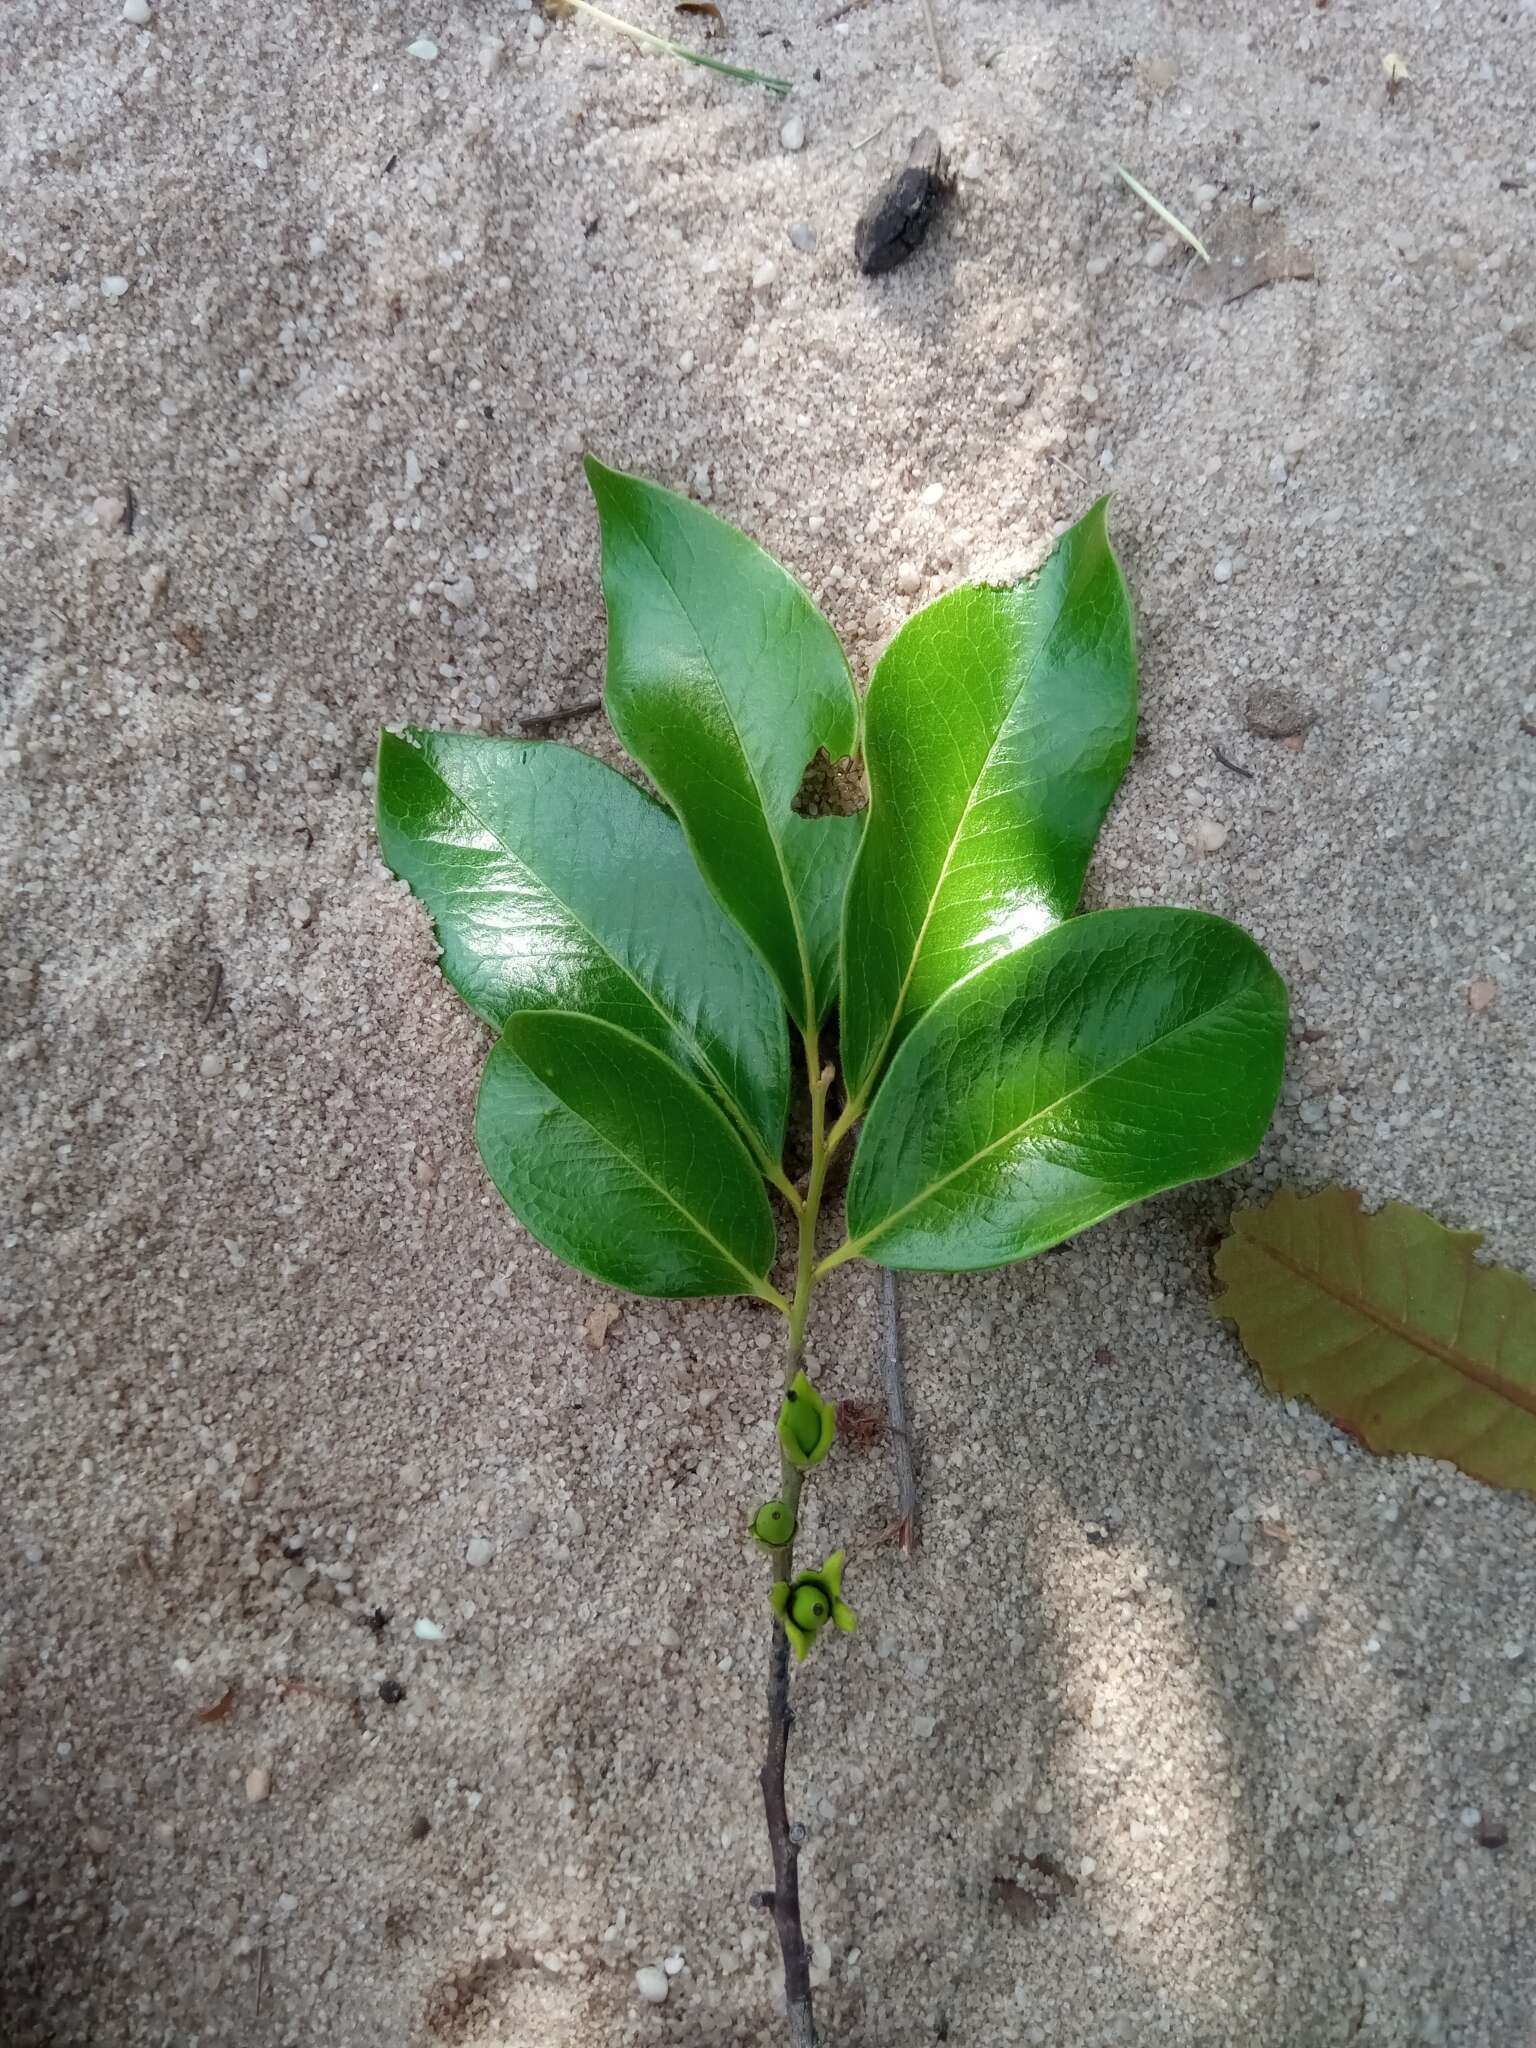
(382, 1663)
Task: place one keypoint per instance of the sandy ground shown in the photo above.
(276, 1355)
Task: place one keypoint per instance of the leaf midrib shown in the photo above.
(1432, 1347)
(673, 1023)
(754, 1280)
(807, 974)
(1057, 1102)
(937, 890)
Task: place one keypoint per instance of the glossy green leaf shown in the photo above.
(996, 730)
(723, 681)
(556, 884)
(619, 1163)
(1116, 1056)
(1391, 1325)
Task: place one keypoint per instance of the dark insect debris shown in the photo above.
(895, 223)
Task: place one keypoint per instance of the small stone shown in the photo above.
(258, 1785)
(492, 50)
(1276, 712)
(908, 582)
(391, 1692)
(652, 1984)
(792, 134)
(424, 50)
(136, 13)
(802, 236)
(1470, 1816)
(98, 1841)
(411, 1476)
(1513, 1651)
(211, 1065)
(427, 1631)
(477, 1552)
(821, 1964)
(1222, 571)
(668, 1637)
(674, 1963)
(113, 287)
(300, 909)
(155, 582)
(1157, 255)
(1480, 993)
(575, 1522)
(109, 512)
(930, 494)
(1491, 1834)
(764, 274)
(421, 1827)
(1211, 835)
(460, 593)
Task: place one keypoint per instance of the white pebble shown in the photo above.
(136, 13)
(477, 1552)
(802, 236)
(908, 582)
(109, 512)
(668, 1637)
(113, 287)
(1211, 835)
(652, 1984)
(1514, 1651)
(427, 1631)
(300, 909)
(674, 1963)
(258, 1784)
(211, 1065)
(1469, 1816)
(792, 134)
(764, 274)
(1223, 571)
(424, 50)
(930, 494)
(460, 593)
(1157, 255)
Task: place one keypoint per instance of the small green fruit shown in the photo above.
(773, 1525)
(809, 1601)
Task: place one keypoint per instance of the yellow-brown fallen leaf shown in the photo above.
(1390, 1325)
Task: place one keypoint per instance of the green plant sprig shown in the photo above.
(1014, 1072)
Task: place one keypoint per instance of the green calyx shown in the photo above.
(807, 1424)
(773, 1526)
(806, 1603)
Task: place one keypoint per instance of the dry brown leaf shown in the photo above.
(221, 1708)
(700, 7)
(604, 1318)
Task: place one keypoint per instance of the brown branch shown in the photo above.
(784, 1840)
(896, 1408)
(540, 721)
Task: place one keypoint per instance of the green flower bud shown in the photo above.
(807, 1424)
(809, 1601)
(773, 1525)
